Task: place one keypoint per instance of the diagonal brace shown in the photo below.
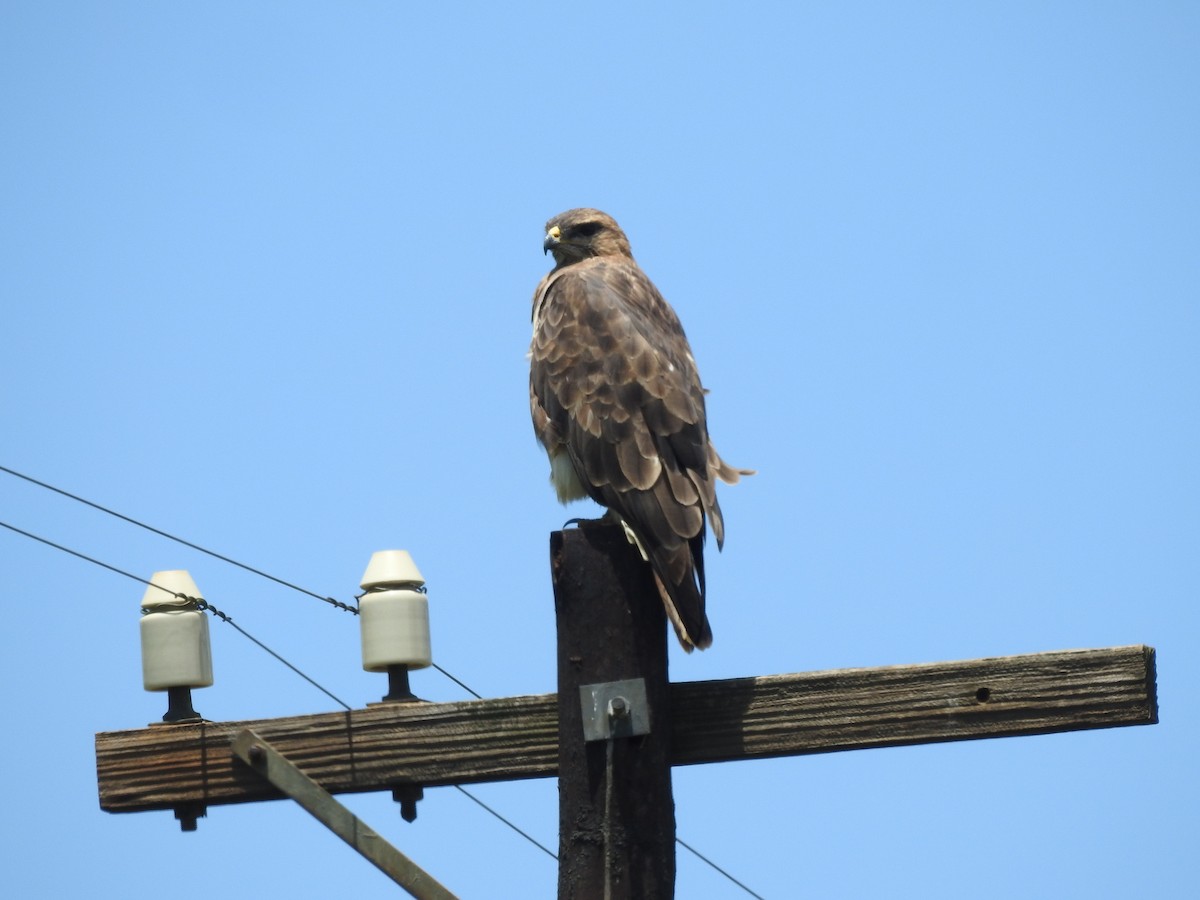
(277, 769)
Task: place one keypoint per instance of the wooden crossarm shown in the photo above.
(377, 748)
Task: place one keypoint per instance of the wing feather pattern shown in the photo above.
(613, 385)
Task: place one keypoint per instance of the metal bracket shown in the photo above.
(281, 772)
(614, 709)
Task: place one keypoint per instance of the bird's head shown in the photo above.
(582, 233)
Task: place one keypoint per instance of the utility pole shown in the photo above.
(616, 826)
(610, 746)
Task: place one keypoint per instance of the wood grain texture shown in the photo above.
(616, 812)
(855, 709)
(169, 766)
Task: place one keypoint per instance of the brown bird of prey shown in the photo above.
(617, 403)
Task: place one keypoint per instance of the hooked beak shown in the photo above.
(552, 240)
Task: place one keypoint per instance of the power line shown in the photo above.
(224, 617)
(200, 603)
(477, 696)
(337, 603)
(701, 856)
(233, 562)
(186, 543)
(527, 837)
(324, 690)
(76, 553)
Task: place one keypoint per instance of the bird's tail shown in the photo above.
(679, 576)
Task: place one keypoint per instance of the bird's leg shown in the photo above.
(629, 533)
(586, 523)
(611, 518)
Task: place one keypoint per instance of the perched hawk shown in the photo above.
(617, 403)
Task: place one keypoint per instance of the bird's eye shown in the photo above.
(587, 229)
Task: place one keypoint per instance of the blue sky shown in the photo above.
(266, 273)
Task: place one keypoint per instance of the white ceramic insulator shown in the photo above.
(176, 650)
(395, 629)
(391, 568)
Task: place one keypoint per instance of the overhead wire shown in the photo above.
(224, 617)
(330, 600)
(214, 554)
(527, 837)
(200, 602)
(171, 537)
(701, 856)
(186, 543)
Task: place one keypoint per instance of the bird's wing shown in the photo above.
(613, 384)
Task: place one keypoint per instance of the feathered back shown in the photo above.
(614, 392)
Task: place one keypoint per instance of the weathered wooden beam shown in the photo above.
(174, 766)
(857, 709)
